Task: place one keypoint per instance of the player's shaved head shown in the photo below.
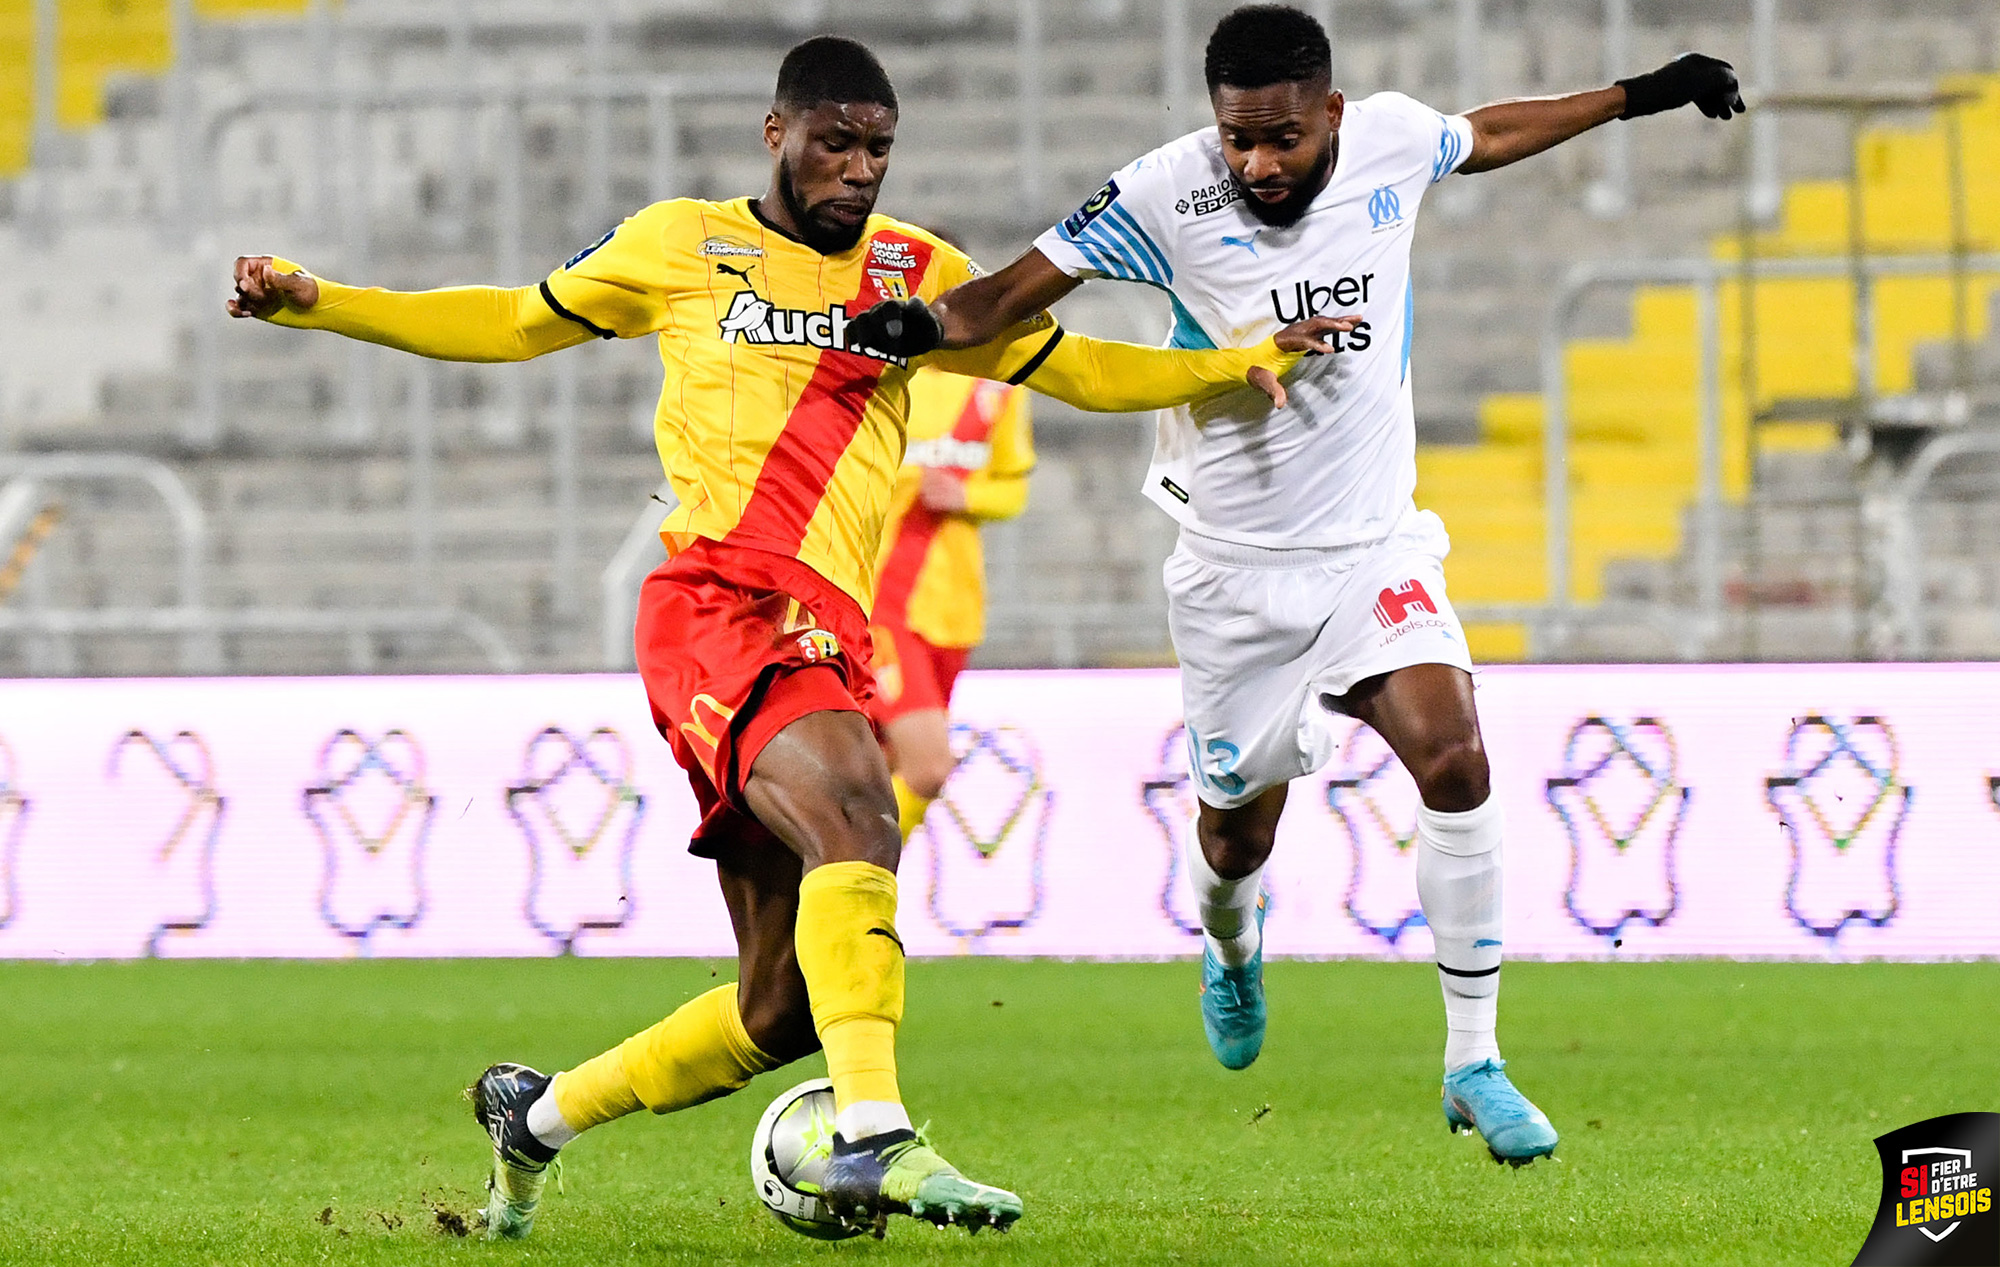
(831, 68)
(1263, 44)
(1270, 75)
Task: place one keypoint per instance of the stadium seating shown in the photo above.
(1076, 579)
(1633, 402)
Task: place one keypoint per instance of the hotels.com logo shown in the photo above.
(1393, 606)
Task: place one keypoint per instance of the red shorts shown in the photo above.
(735, 644)
(911, 674)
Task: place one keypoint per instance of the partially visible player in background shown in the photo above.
(971, 448)
(1306, 584)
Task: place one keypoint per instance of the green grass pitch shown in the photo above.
(194, 1113)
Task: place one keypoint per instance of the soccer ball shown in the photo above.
(788, 1156)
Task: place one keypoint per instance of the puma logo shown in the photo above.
(743, 273)
(889, 933)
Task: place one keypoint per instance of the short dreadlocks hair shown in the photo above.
(1262, 44)
(831, 68)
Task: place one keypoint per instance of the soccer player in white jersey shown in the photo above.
(1306, 583)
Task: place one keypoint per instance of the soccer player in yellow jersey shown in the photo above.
(971, 448)
(781, 428)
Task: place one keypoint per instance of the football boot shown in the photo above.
(500, 1101)
(1480, 1098)
(1232, 1003)
(897, 1172)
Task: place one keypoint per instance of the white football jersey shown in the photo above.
(1337, 464)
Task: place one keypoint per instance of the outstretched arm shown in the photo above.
(1101, 376)
(1509, 131)
(979, 310)
(461, 323)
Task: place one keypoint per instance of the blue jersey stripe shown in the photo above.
(1449, 147)
(1151, 248)
(1409, 325)
(1187, 331)
(1095, 258)
(1114, 238)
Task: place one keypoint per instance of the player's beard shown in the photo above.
(821, 236)
(1285, 214)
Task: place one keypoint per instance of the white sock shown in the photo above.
(863, 1118)
(1458, 882)
(1228, 908)
(545, 1120)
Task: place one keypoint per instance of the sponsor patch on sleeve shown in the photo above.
(587, 251)
(1094, 207)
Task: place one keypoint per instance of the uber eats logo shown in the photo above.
(1309, 298)
(1937, 1194)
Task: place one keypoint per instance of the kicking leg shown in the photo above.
(822, 786)
(1226, 870)
(1426, 714)
(709, 1047)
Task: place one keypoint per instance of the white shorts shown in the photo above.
(1270, 639)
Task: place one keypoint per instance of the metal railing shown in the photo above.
(359, 627)
(18, 497)
(618, 585)
(1903, 545)
(198, 627)
(1708, 276)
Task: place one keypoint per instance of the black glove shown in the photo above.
(897, 327)
(1696, 79)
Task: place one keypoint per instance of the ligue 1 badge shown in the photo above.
(1937, 1195)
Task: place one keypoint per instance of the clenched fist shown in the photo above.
(261, 289)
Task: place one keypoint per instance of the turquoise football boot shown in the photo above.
(1480, 1098)
(1232, 1003)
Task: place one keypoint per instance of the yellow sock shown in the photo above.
(853, 965)
(910, 808)
(699, 1053)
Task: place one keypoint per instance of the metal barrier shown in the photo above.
(1707, 276)
(199, 653)
(198, 626)
(618, 585)
(355, 625)
(1903, 545)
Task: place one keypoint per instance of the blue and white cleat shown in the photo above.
(1480, 1098)
(1232, 1003)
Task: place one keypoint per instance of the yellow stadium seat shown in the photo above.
(1634, 403)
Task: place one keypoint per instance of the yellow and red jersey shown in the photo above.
(772, 433)
(931, 577)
